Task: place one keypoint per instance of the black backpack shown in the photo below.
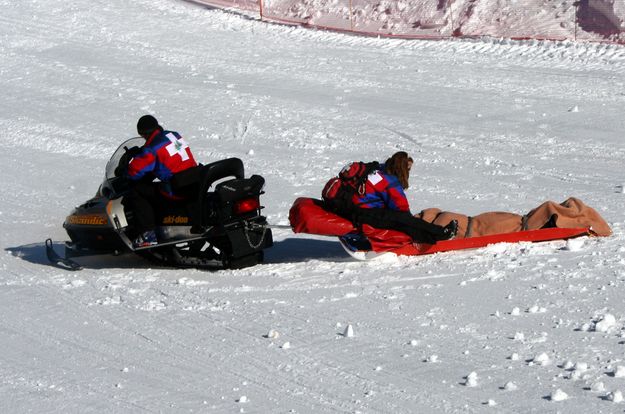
(339, 191)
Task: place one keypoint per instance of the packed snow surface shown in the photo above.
(508, 328)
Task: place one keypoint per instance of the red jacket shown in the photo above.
(164, 154)
(382, 190)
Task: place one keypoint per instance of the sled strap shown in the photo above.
(467, 233)
(524, 222)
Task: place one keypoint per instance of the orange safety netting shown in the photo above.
(585, 20)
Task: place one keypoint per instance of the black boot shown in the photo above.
(451, 229)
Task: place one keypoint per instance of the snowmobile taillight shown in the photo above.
(246, 205)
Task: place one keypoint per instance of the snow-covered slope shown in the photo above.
(492, 125)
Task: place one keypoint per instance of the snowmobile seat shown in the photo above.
(209, 174)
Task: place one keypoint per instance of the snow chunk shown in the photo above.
(432, 358)
(585, 327)
(471, 380)
(519, 336)
(619, 372)
(607, 322)
(286, 345)
(510, 386)
(349, 331)
(558, 395)
(615, 396)
(581, 366)
(574, 109)
(597, 387)
(75, 283)
(515, 311)
(574, 245)
(491, 403)
(536, 309)
(514, 357)
(542, 359)
(272, 334)
(242, 399)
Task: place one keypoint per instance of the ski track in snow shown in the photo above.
(492, 125)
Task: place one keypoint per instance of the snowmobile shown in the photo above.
(220, 228)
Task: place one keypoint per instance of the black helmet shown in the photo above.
(147, 124)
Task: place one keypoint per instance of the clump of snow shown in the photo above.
(585, 327)
(574, 245)
(514, 356)
(349, 331)
(581, 366)
(413, 342)
(510, 386)
(75, 283)
(519, 336)
(542, 359)
(607, 322)
(471, 379)
(536, 309)
(615, 396)
(273, 334)
(619, 372)
(515, 311)
(286, 345)
(558, 395)
(432, 358)
(597, 387)
(242, 399)
(491, 403)
(574, 109)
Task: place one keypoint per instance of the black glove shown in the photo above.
(133, 152)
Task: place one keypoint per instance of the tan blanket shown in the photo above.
(569, 214)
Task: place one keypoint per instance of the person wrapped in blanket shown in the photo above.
(384, 205)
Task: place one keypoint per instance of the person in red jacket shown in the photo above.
(384, 204)
(164, 155)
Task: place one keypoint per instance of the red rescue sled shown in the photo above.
(308, 216)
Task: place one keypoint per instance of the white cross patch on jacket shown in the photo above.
(177, 146)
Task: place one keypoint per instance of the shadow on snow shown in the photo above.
(290, 250)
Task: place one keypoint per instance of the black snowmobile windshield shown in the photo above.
(119, 152)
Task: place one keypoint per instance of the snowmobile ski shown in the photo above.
(57, 260)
